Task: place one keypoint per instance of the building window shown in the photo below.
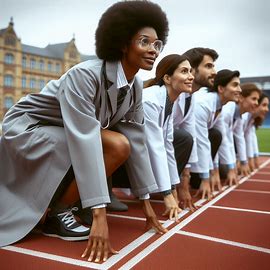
(32, 83)
(24, 62)
(10, 40)
(57, 67)
(41, 84)
(49, 66)
(23, 82)
(9, 102)
(32, 63)
(41, 65)
(72, 54)
(9, 58)
(8, 80)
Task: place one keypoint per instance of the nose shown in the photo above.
(239, 89)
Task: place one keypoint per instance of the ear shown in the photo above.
(221, 89)
(167, 79)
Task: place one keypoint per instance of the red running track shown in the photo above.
(229, 232)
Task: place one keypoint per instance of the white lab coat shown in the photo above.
(227, 112)
(205, 109)
(159, 136)
(250, 135)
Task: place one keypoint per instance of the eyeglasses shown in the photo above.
(146, 44)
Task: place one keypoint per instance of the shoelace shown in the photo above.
(68, 217)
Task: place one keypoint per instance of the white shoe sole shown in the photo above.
(67, 238)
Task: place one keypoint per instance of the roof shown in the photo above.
(52, 51)
(57, 50)
(2, 31)
(85, 57)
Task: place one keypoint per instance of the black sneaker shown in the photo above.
(84, 214)
(64, 225)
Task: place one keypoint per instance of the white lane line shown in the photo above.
(141, 255)
(259, 181)
(53, 257)
(137, 201)
(240, 209)
(130, 217)
(126, 217)
(223, 241)
(252, 191)
(143, 238)
(136, 243)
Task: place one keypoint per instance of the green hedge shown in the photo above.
(263, 135)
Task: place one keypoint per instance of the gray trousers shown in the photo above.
(182, 143)
(215, 138)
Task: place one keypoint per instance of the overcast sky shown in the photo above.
(238, 29)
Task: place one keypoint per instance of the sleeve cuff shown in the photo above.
(204, 175)
(243, 162)
(231, 166)
(103, 205)
(144, 197)
(215, 165)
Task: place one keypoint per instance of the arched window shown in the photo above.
(8, 102)
(8, 80)
(9, 58)
(24, 62)
(49, 66)
(32, 63)
(57, 67)
(10, 40)
(23, 82)
(41, 65)
(32, 83)
(72, 54)
(41, 84)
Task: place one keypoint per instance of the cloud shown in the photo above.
(237, 29)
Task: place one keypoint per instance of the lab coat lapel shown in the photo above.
(182, 103)
(111, 71)
(127, 103)
(162, 102)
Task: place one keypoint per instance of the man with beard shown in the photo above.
(202, 62)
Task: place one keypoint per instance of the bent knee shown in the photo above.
(121, 147)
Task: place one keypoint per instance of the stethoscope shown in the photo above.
(106, 86)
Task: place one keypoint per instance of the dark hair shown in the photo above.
(195, 55)
(258, 120)
(122, 21)
(167, 65)
(223, 77)
(249, 88)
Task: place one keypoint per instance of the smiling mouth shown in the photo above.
(150, 60)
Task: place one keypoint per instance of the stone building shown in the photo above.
(25, 68)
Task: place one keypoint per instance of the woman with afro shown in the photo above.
(78, 130)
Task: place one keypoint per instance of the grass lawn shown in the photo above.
(263, 135)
